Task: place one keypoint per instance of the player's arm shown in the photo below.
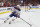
(18, 8)
(12, 11)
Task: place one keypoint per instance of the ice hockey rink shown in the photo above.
(32, 16)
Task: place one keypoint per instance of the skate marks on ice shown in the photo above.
(16, 23)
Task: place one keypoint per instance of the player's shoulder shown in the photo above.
(19, 9)
(15, 7)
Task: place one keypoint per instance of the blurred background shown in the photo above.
(11, 3)
(30, 10)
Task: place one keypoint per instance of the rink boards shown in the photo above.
(7, 9)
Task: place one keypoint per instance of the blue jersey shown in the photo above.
(17, 9)
(15, 12)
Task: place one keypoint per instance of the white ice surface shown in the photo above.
(31, 16)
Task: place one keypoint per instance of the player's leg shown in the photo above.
(8, 18)
(12, 19)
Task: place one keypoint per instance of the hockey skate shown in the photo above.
(6, 20)
(10, 22)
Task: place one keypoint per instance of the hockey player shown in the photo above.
(15, 13)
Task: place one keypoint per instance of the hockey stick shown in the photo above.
(26, 22)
